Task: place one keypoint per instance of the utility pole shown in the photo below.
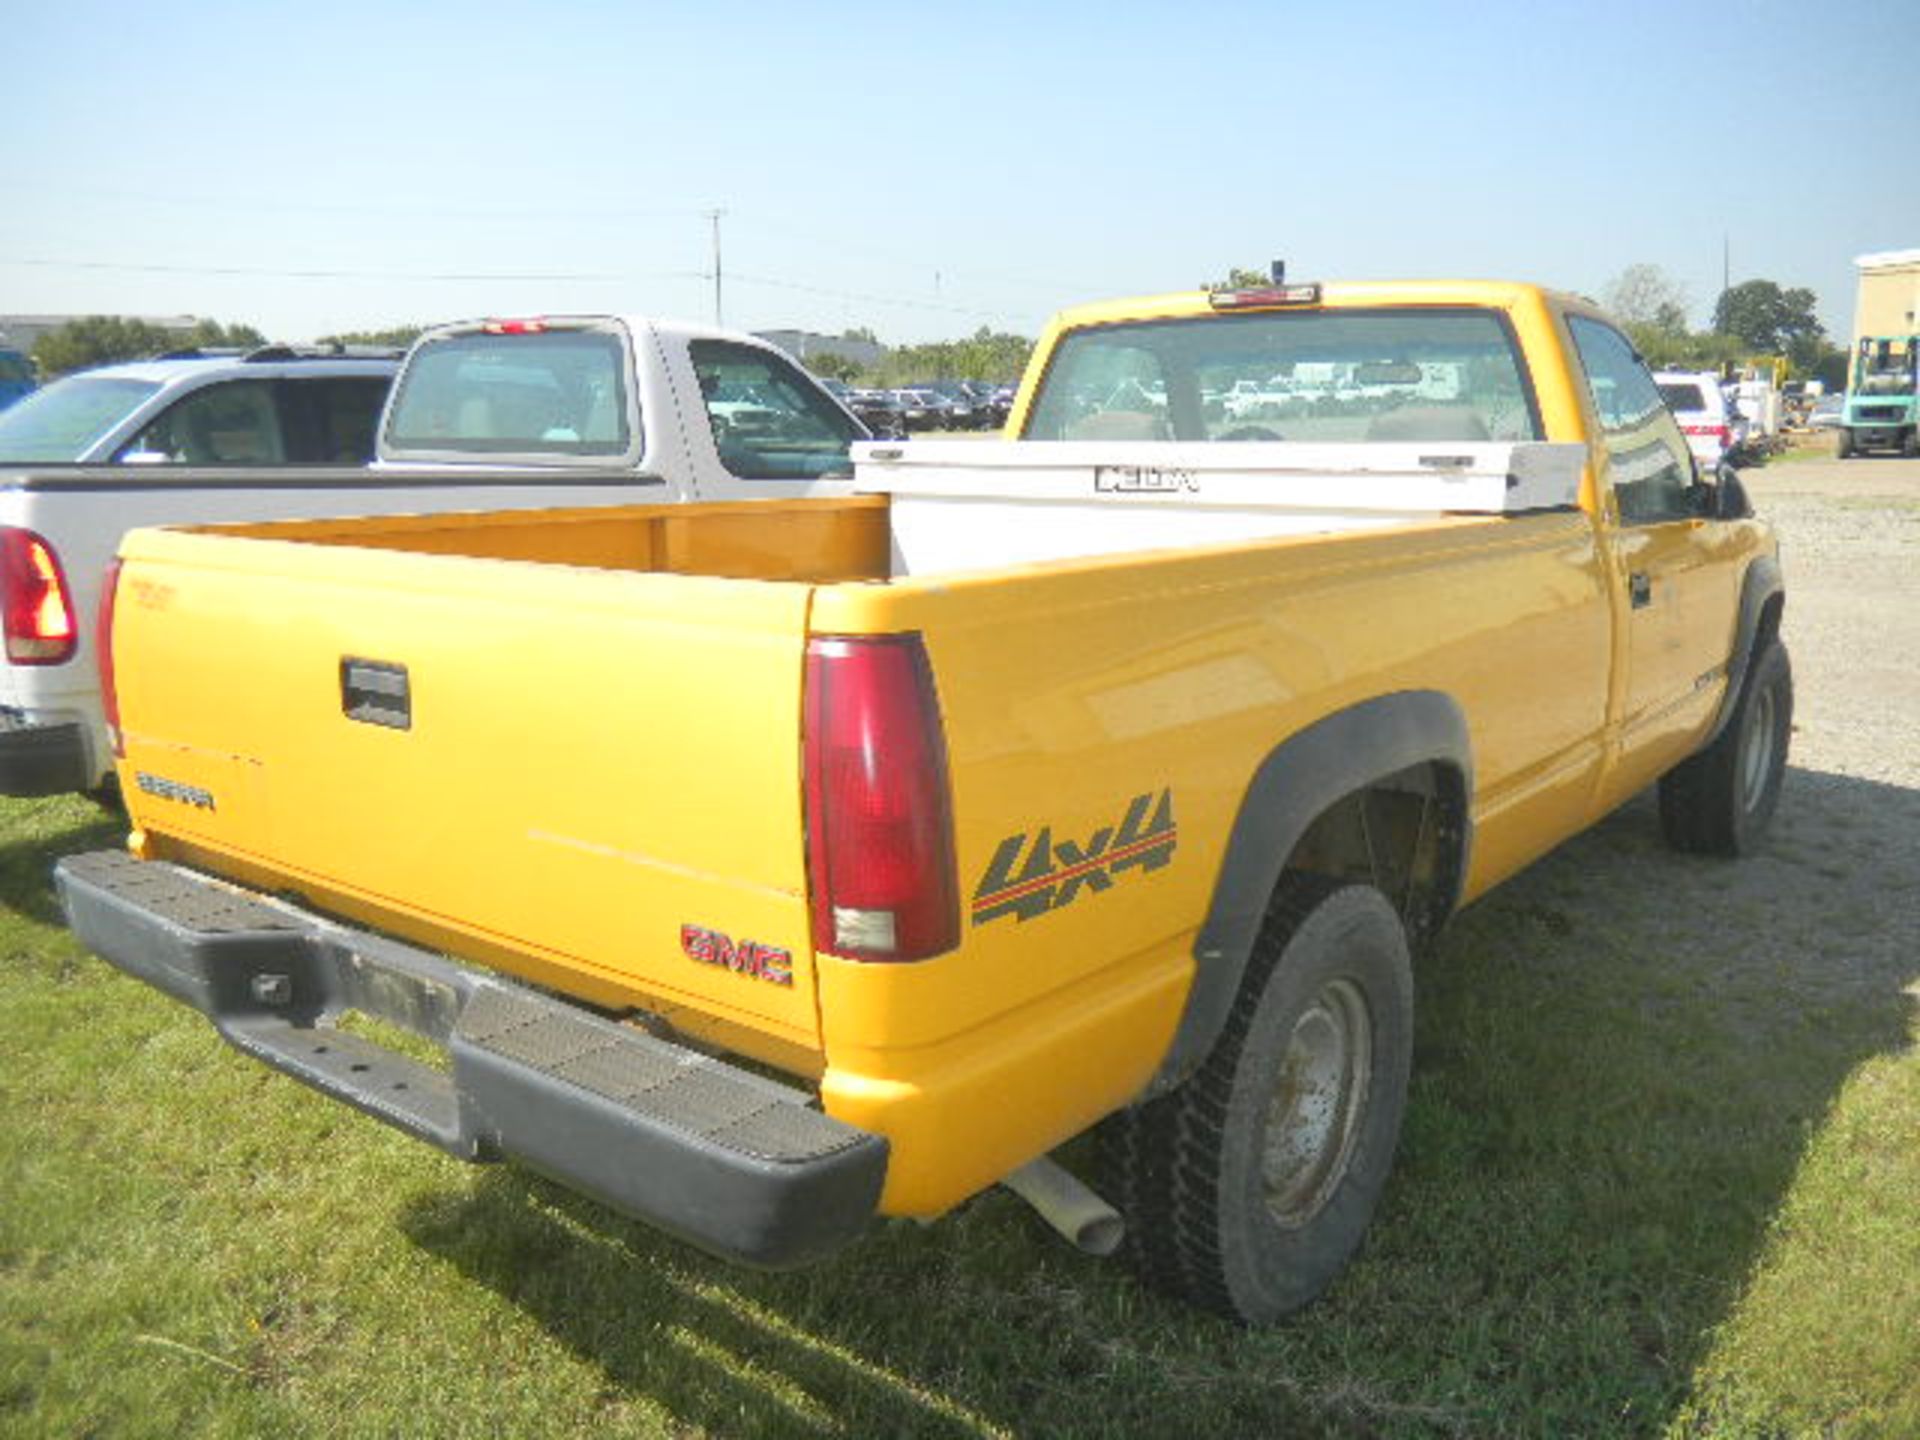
(714, 216)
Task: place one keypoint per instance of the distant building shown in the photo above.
(20, 332)
(1888, 302)
(802, 343)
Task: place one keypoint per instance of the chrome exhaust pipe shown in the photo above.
(1068, 1205)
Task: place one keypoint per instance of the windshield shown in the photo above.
(63, 421)
(1315, 375)
(1886, 367)
(548, 393)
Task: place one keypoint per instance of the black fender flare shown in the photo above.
(1760, 585)
(1298, 781)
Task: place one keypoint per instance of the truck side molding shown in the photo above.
(1300, 781)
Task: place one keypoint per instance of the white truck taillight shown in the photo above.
(879, 813)
(103, 655)
(41, 628)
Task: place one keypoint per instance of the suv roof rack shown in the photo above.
(266, 354)
(325, 352)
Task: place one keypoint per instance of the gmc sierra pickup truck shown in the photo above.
(765, 867)
(483, 415)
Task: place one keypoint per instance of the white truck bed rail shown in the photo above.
(965, 504)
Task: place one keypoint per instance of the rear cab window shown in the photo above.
(1338, 374)
(546, 394)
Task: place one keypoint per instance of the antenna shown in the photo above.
(714, 215)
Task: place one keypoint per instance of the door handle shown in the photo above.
(1640, 589)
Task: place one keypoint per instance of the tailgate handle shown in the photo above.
(376, 693)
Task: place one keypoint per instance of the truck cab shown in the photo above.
(592, 393)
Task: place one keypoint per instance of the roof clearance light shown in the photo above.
(1266, 297)
(516, 327)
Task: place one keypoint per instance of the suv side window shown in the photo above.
(330, 421)
(769, 421)
(1652, 468)
(234, 423)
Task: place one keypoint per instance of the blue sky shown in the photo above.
(927, 169)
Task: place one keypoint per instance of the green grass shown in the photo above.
(1811, 448)
(1652, 1181)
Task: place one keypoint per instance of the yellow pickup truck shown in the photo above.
(763, 867)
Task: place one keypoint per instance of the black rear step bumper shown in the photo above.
(729, 1161)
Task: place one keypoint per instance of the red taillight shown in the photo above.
(40, 624)
(879, 816)
(515, 327)
(103, 653)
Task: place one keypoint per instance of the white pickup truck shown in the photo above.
(484, 415)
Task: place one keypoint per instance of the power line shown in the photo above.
(260, 273)
(739, 277)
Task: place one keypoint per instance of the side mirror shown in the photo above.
(1730, 499)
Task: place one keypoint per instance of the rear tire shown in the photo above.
(1249, 1188)
(1910, 447)
(1720, 801)
(1843, 445)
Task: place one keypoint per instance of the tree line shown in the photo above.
(1752, 319)
(985, 355)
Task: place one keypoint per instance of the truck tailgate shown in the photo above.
(474, 753)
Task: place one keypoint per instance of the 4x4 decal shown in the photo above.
(1030, 875)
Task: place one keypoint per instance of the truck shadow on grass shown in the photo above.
(28, 852)
(1622, 1056)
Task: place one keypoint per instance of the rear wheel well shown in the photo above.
(1404, 835)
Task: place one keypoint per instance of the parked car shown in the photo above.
(16, 377)
(273, 406)
(879, 412)
(965, 410)
(1829, 412)
(923, 409)
(1714, 427)
(990, 401)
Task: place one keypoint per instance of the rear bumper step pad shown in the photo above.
(732, 1162)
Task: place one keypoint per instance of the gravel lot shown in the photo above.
(1850, 546)
(1831, 905)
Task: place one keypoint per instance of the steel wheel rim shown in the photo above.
(1756, 755)
(1319, 1099)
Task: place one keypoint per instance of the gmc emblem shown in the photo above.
(746, 957)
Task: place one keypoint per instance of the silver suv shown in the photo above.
(273, 406)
